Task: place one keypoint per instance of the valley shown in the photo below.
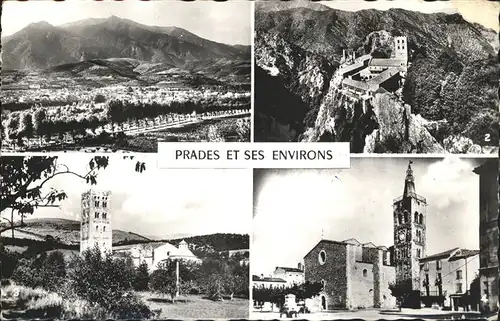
(106, 99)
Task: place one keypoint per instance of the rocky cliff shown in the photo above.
(449, 87)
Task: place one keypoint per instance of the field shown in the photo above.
(197, 307)
(115, 105)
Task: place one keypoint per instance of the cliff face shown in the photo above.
(382, 125)
(450, 80)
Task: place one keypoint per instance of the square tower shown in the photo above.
(409, 232)
(95, 225)
(401, 48)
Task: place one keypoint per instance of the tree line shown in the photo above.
(276, 295)
(37, 122)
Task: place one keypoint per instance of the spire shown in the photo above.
(409, 182)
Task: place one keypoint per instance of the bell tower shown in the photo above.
(409, 233)
(95, 225)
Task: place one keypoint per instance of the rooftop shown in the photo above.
(267, 279)
(289, 269)
(387, 62)
(450, 255)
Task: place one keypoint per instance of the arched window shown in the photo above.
(97, 228)
(104, 215)
(421, 218)
(365, 272)
(416, 219)
(96, 215)
(104, 228)
(400, 219)
(323, 283)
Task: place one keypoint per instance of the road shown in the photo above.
(371, 314)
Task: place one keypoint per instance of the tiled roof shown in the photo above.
(267, 279)
(451, 255)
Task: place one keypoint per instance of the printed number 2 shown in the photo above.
(487, 138)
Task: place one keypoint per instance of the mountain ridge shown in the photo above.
(41, 45)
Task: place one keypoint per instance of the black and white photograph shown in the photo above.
(107, 76)
(113, 237)
(386, 76)
(388, 238)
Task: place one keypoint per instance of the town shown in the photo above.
(350, 279)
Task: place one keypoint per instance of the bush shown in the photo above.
(99, 278)
(43, 271)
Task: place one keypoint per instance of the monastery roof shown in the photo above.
(387, 62)
(383, 76)
(289, 269)
(356, 83)
(267, 279)
(352, 67)
(451, 255)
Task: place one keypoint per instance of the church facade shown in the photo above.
(356, 275)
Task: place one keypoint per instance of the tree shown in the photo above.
(475, 291)
(39, 117)
(401, 290)
(54, 271)
(141, 280)
(99, 278)
(27, 125)
(23, 179)
(164, 279)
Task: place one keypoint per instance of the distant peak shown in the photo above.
(40, 24)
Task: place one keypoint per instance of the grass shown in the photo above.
(197, 307)
(21, 302)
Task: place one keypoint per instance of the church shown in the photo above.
(356, 275)
(96, 230)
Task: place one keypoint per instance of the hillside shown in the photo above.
(67, 231)
(452, 79)
(41, 45)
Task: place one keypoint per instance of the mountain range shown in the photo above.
(451, 83)
(41, 45)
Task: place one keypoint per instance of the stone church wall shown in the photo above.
(333, 272)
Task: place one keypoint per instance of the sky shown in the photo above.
(227, 22)
(484, 12)
(160, 202)
(294, 208)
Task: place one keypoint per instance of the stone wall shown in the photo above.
(333, 271)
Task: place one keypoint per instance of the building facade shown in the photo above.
(488, 233)
(263, 282)
(409, 236)
(292, 276)
(354, 275)
(447, 277)
(95, 223)
(156, 252)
